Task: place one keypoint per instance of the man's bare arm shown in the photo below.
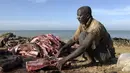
(86, 44)
(83, 47)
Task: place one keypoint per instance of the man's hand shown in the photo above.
(68, 44)
(59, 52)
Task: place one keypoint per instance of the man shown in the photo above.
(93, 38)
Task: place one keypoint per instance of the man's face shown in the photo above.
(82, 16)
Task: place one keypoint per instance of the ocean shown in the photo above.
(63, 34)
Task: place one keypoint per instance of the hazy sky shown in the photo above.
(61, 14)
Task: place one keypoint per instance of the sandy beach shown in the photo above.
(80, 65)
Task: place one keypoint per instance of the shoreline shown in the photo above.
(119, 41)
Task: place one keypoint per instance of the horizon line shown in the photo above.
(56, 29)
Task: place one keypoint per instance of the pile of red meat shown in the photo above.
(43, 47)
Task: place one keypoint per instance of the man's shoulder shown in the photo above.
(96, 26)
(96, 21)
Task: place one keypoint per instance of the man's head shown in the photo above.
(83, 14)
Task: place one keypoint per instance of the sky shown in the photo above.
(61, 14)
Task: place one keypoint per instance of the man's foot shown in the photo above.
(91, 63)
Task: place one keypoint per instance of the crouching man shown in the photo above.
(93, 38)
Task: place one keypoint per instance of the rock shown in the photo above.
(5, 37)
(121, 41)
(10, 40)
(124, 62)
(11, 62)
(13, 41)
(1, 42)
(126, 68)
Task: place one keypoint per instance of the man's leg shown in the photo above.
(102, 54)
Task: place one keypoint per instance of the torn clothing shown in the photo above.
(97, 40)
(101, 36)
